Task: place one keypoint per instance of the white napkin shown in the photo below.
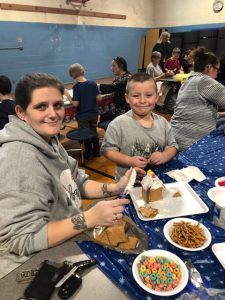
(131, 182)
(187, 174)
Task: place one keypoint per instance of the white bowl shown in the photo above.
(218, 180)
(168, 231)
(168, 255)
(217, 195)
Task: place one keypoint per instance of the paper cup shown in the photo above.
(217, 195)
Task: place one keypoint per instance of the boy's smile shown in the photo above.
(142, 97)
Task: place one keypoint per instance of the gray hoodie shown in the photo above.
(39, 183)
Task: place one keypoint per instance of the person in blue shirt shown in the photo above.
(7, 104)
(85, 96)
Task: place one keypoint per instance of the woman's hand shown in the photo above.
(105, 213)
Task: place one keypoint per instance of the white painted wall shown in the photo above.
(139, 13)
(169, 13)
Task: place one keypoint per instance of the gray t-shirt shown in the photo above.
(128, 136)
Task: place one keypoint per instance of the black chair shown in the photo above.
(80, 135)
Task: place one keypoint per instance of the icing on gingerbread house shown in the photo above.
(153, 188)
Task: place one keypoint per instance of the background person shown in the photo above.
(7, 104)
(85, 96)
(41, 186)
(195, 113)
(118, 86)
(163, 46)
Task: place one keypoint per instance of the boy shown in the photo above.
(7, 104)
(139, 137)
(85, 96)
(172, 64)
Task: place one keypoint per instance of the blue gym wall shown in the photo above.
(53, 47)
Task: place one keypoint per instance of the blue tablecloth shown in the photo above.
(209, 156)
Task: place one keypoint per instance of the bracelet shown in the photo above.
(105, 191)
(79, 221)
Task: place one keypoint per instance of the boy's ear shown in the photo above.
(127, 98)
(20, 112)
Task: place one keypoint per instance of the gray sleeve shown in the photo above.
(212, 91)
(112, 138)
(23, 222)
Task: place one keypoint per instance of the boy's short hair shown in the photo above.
(31, 82)
(140, 77)
(176, 50)
(5, 85)
(76, 70)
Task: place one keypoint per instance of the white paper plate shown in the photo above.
(168, 230)
(169, 255)
(219, 251)
(188, 204)
(218, 180)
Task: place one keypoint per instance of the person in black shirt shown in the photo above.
(118, 86)
(7, 105)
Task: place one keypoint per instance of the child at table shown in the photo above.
(139, 137)
(172, 64)
(85, 96)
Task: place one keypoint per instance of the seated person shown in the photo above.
(221, 74)
(186, 62)
(195, 113)
(118, 86)
(139, 137)
(85, 96)
(41, 186)
(154, 68)
(172, 64)
(7, 104)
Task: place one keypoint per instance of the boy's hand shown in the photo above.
(157, 158)
(138, 161)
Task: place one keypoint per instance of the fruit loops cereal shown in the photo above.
(159, 273)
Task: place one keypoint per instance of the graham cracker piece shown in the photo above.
(130, 244)
(116, 233)
(148, 212)
(103, 238)
(177, 194)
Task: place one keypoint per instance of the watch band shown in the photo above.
(79, 221)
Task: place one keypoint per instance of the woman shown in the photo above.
(41, 186)
(164, 46)
(118, 87)
(198, 99)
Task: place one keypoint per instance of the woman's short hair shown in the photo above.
(5, 85)
(202, 58)
(140, 77)
(156, 54)
(76, 70)
(31, 82)
(121, 62)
